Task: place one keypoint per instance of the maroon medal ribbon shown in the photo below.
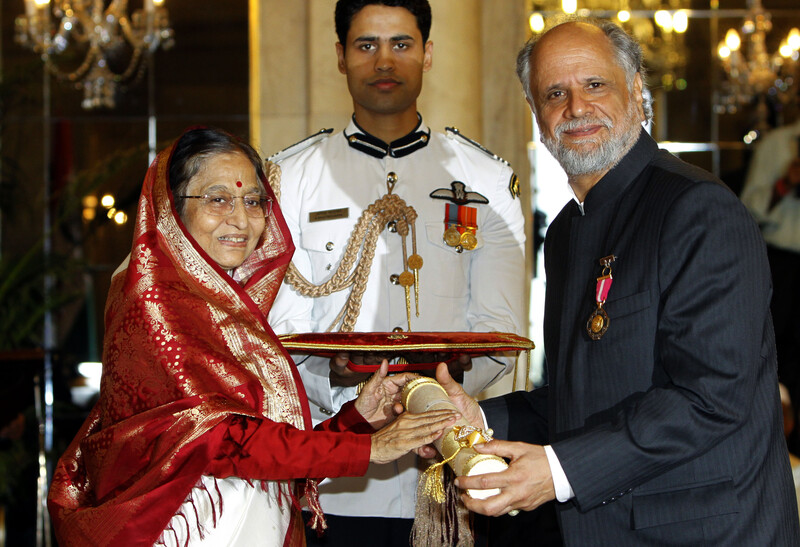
(598, 322)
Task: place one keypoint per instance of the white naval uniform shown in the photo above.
(480, 290)
(780, 225)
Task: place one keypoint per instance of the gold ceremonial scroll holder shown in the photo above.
(423, 394)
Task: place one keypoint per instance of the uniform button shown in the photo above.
(326, 411)
(394, 279)
(329, 245)
(397, 329)
(459, 249)
(392, 226)
(391, 178)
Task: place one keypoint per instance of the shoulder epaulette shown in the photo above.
(300, 146)
(454, 133)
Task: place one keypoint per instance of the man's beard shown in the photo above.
(607, 150)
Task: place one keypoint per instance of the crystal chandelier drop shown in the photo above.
(750, 71)
(96, 47)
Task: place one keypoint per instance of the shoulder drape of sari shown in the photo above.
(186, 349)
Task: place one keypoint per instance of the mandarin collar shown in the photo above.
(364, 142)
(617, 180)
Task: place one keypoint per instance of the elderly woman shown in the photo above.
(202, 432)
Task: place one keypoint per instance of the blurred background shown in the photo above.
(90, 89)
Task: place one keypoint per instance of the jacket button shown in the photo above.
(397, 329)
(392, 226)
(329, 245)
(394, 279)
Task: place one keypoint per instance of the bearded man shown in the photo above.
(661, 423)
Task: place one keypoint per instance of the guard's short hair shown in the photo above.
(347, 9)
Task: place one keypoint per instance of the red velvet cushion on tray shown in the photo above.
(419, 350)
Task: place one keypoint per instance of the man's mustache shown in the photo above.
(569, 125)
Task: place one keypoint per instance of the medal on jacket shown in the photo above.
(460, 222)
(598, 322)
(460, 225)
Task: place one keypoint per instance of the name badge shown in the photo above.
(331, 214)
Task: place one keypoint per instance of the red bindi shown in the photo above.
(238, 184)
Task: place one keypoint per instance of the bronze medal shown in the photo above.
(452, 237)
(460, 223)
(468, 240)
(598, 322)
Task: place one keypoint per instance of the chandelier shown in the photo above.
(750, 71)
(97, 48)
(658, 25)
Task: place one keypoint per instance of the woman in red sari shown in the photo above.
(201, 434)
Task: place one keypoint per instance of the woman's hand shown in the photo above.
(409, 432)
(379, 396)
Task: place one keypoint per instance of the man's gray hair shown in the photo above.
(627, 50)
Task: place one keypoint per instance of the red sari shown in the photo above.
(194, 383)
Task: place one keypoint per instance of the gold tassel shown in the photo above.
(431, 482)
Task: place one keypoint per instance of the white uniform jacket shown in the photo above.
(780, 224)
(480, 290)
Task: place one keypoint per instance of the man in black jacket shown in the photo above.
(661, 423)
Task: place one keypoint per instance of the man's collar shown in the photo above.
(364, 142)
(622, 174)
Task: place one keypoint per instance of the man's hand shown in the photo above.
(466, 405)
(343, 376)
(526, 484)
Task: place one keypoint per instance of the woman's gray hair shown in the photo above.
(627, 50)
(194, 148)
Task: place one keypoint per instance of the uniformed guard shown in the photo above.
(337, 191)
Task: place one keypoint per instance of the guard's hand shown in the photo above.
(343, 376)
(526, 484)
(457, 365)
